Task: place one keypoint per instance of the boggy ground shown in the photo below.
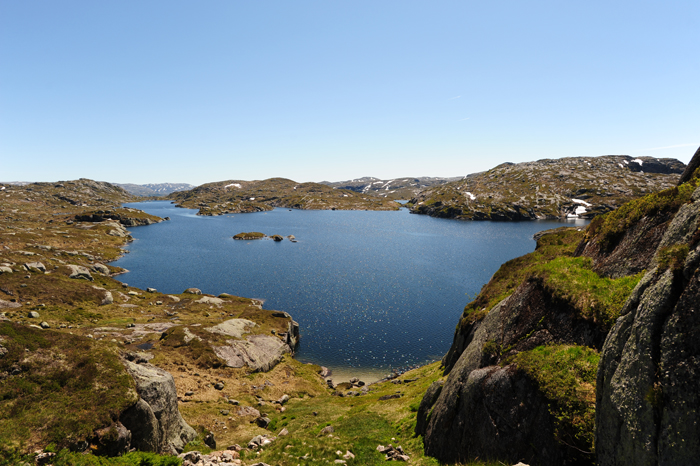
(67, 324)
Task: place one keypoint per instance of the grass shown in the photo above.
(65, 457)
(562, 242)
(566, 375)
(360, 423)
(55, 373)
(595, 297)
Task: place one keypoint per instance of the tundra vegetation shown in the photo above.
(534, 337)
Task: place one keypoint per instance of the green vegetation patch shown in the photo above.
(595, 297)
(68, 458)
(673, 257)
(57, 387)
(561, 242)
(566, 375)
(249, 235)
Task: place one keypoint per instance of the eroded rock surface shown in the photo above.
(648, 407)
(155, 421)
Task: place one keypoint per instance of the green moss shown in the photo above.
(595, 297)
(673, 257)
(561, 242)
(566, 376)
(609, 228)
(491, 348)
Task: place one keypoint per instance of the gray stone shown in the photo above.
(210, 300)
(79, 272)
(100, 268)
(263, 422)
(259, 352)
(5, 269)
(151, 290)
(44, 325)
(426, 404)
(33, 315)
(219, 386)
(107, 299)
(193, 291)
(156, 388)
(327, 430)
(35, 267)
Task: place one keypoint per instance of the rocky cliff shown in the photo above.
(647, 397)
(594, 325)
(550, 188)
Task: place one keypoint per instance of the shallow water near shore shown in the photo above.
(372, 291)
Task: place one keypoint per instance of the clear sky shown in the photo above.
(198, 91)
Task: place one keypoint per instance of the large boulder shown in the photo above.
(483, 407)
(79, 272)
(155, 421)
(493, 412)
(259, 352)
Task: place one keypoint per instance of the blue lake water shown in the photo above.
(372, 291)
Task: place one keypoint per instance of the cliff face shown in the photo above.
(575, 186)
(647, 400)
(514, 366)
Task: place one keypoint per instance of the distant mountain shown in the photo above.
(549, 188)
(154, 189)
(397, 188)
(237, 196)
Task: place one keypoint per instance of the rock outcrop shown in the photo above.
(647, 401)
(494, 406)
(125, 216)
(483, 404)
(259, 352)
(155, 421)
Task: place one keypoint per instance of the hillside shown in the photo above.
(91, 368)
(235, 196)
(154, 189)
(584, 351)
(398, 188)
(549, 188)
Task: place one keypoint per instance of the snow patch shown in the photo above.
(581, 201)
(639, 161)
(252, 198)
(232, 185)
(471, 196)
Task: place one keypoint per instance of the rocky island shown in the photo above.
(235, 196)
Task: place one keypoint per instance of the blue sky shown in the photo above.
(156, 91)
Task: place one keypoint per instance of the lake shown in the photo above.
(372, 291)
